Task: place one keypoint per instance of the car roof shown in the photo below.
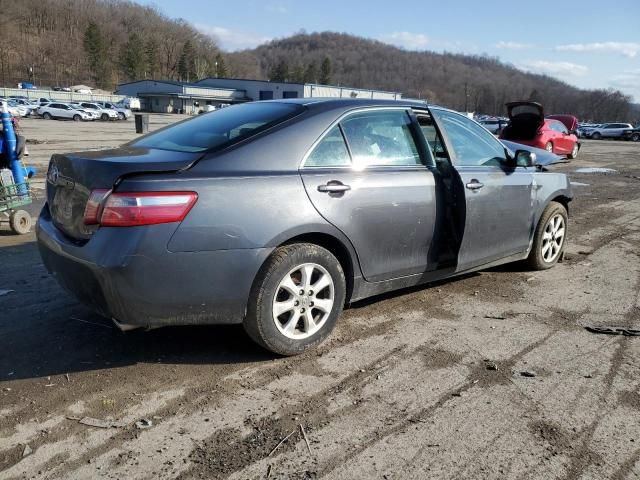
(348, 103)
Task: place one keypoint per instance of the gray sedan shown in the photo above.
(277, 214)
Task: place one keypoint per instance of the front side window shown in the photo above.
(331, 151)
(472, 144)
(381, 138)
(218, 129)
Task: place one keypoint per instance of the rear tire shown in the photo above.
(104, 117)
(550, 237)
(46, 116)
(596, 136)
(20, 222)
(304, 319)
(549, 147)
(574, 151)
(635, 137)
(76, 118)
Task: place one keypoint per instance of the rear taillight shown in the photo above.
(129, 209)
(92, 210)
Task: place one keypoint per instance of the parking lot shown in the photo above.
(491, 375)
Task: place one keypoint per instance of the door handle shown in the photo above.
(475, 185)
(334, 187)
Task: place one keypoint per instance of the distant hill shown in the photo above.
(105, 42)
(463, 82)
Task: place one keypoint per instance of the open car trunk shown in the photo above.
(71, 178)
(526, 118)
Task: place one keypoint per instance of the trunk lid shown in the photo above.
(526, 118)
(569, 121)
(71, 178)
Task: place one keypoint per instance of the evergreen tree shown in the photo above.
(133, 57)
(325, 71)
(280, 73)
(96, 50)
(221, 66)
(297, 74)
(311, 73)
(186, 63)
(151, 58)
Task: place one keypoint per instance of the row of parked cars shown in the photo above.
(51, 109)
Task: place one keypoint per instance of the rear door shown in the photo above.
(57, 110)
(368, 177)
(498, 221)
(562, 139)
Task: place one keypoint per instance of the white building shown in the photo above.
(179, 97)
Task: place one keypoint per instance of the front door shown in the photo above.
(377, 189)
(498, 219)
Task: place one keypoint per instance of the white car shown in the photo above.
(95, 115)
(16, 109)
(62, 110)
(123, 112)
(30, 106)
(103, 113)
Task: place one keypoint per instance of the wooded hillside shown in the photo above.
(100, 43)
(462, 82)
(105, 42)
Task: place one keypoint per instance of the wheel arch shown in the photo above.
(343, 254)
(562, 200)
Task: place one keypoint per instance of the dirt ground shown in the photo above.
(431, 382)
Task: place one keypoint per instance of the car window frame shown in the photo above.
(338, 122)
(453, 159)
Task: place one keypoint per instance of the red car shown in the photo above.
(528, 126)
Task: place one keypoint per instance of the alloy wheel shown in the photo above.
(303, 301)
(553, 238)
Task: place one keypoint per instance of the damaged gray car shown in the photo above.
(277, 214)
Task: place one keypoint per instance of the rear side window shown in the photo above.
(331, 151)
(218, 129)
(381, 138)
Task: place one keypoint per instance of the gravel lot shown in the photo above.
(424, 383)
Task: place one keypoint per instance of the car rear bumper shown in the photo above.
(127, 274)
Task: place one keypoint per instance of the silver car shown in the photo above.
(277, 214)
(606, 130)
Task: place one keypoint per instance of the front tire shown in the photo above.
(296, 299)
(635, 137)
(104, 117)
(46, 116)
(596, 136)
(550, 237)
(121, 116)
(76, 118)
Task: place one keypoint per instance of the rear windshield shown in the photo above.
(525, 110)
(220, 128)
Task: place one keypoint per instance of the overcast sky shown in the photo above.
(590, 44)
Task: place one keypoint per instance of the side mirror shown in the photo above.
(525, 158)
